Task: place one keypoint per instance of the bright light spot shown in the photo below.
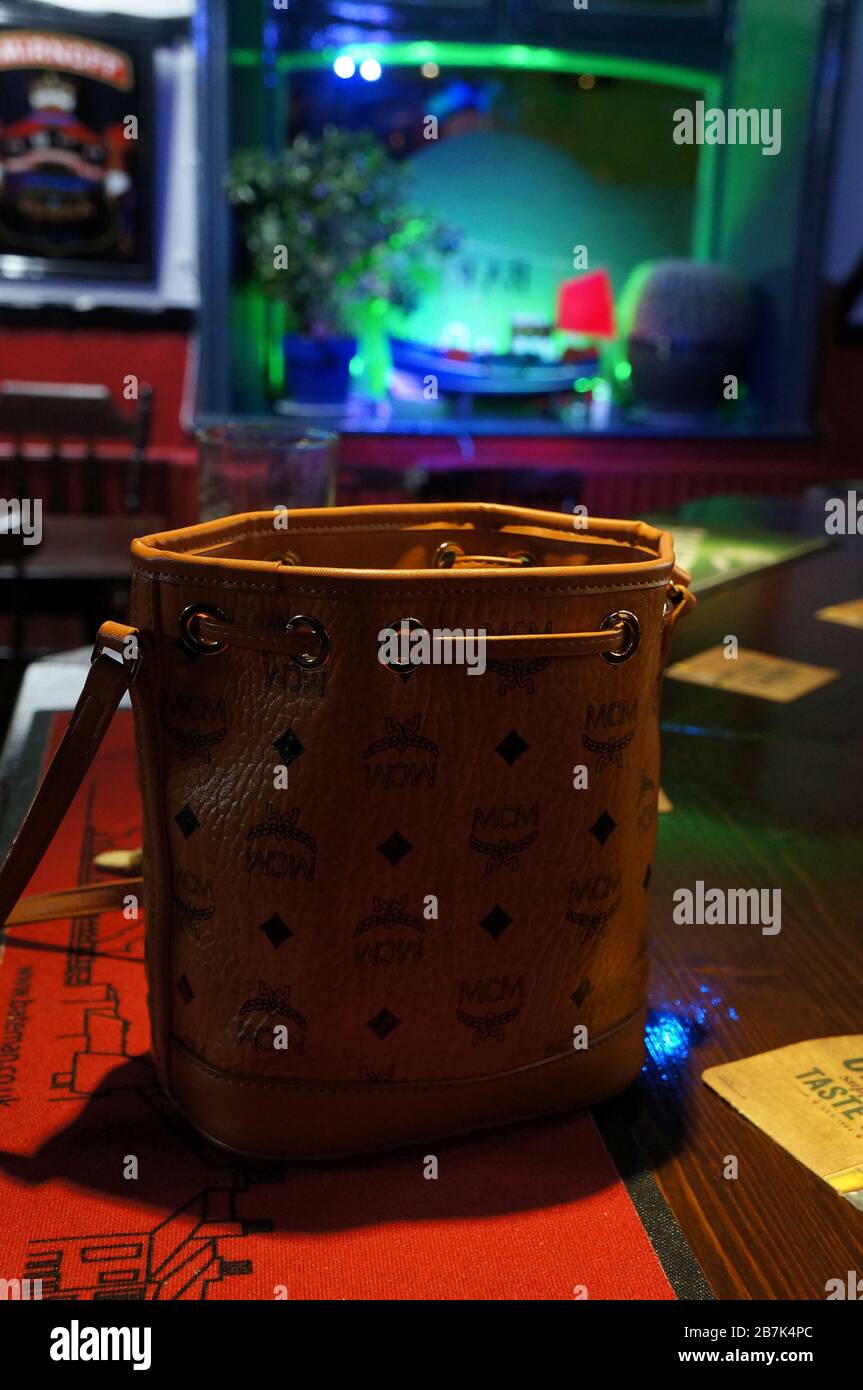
(430, 70)
(623, 371)
(344, 66)
(370, 69)
(667, 1039)
(586, 81)
(357, 366)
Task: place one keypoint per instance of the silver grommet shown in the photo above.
(633, 635)
(191, 641)
(445, 556)
(402, 625)
(304, 660)
(283, 557)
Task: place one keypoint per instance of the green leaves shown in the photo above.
(340, 204)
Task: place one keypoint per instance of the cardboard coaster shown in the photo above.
(849, 614)
(753, 673)
(809, 1098)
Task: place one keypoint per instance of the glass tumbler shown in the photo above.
(249, 467)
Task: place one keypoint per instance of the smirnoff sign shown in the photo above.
(24, 48)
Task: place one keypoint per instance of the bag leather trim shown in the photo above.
(291, 1083)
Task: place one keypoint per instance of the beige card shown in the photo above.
(753, 673)
(850, 614)
(809, 1098)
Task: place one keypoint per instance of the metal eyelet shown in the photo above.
(633, 631)
(401, 668)
(445, 556)
(193, 643)
(673, 597)
(525, 557)
(283, 557)
(325, 647)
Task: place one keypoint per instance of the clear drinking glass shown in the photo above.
(248, 467)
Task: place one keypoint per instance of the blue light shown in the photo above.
(667, 1039)
(370, 69)
(344, 66)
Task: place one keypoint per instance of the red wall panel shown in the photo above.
(104, 356)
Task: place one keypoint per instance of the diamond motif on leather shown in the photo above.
(496, 922)
(187, 820)
(648, 872)
(288, 747)
(394, 848)
(602, 828)
(383, 1023)
(579, 995)
(276, 931)
(512, 747)
(184, 989)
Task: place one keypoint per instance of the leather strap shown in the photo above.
(83, 901)
(106, 684)
(295, 644)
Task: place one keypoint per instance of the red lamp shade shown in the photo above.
(585, 305)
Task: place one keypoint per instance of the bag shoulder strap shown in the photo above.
(106, 684)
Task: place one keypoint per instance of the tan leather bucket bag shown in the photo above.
(392, 892)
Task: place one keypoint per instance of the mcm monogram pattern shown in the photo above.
(609, 715)
(505, 853)
(593, 905)
(400, 736)
(490, 1025)
(592, 922)
(194, 743)
(281, 827)
(389, 915)
(190, 918)
(608, 750)
(256, 1014)
(399, 770)
(293, 680)
(594, 902)
(182, 719)
(518, 674)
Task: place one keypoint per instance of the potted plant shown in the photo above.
(330, 230)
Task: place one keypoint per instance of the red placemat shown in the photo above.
(105, 1194)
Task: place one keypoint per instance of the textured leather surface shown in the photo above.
(311, 907)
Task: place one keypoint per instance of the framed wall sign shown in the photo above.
(76, 133)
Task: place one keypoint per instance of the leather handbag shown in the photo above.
(392, 893)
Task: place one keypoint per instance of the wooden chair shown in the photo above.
(91, 502)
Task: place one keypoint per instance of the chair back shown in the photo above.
(45, 424)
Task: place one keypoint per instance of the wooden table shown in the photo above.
(766, 796)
